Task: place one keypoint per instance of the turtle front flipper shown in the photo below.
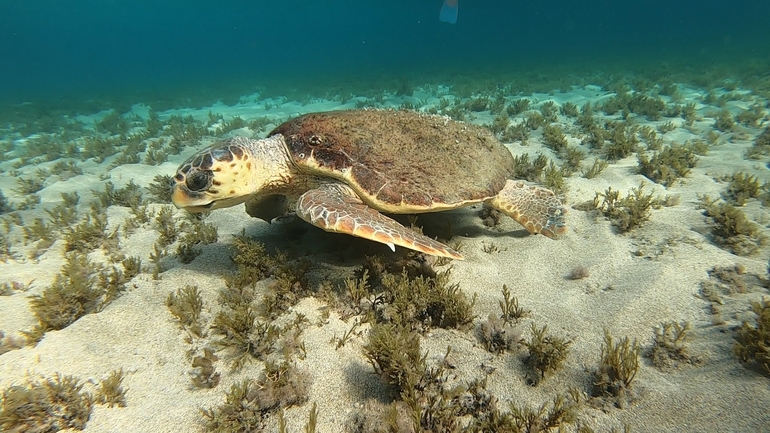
(337, 208)
(267, 208)
(536, 208)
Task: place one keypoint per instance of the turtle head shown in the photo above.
(219, 177)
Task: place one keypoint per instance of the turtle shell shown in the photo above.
(400, 161)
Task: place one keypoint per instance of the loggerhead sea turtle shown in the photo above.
(345, 167)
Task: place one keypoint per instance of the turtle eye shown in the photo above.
(198, 181)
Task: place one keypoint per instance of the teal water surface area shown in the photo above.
(150, 50)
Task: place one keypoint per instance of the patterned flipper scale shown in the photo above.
(337, 208)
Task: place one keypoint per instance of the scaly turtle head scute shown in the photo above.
(224, 175)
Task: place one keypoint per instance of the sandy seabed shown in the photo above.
(636, 281)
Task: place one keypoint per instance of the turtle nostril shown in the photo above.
(198, 181)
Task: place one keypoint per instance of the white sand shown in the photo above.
(626, 293)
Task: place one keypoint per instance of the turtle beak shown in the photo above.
(197, 202)
(183, 198)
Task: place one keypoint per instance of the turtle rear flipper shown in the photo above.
(336, 208)
(537, 209)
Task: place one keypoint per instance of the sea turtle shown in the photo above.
(345, 167)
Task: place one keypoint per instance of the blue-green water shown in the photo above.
(158, 50)
(651, 119)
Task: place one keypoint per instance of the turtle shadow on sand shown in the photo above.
(300, 239)
(367, 385)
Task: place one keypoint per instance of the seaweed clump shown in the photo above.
(394, 352)
(160, 188)
(250, 402)
(128, 196)
(31, 185)
(111, 391)
(230, 125)
(499, 124)
(518, 106)
(689, 114)
(5, 248)
(527, 169)
(518, 132)
(477, 104)
(290, 285)
(547, 353)
(535, 120)
(73, 294)
(668, 165)
(253, 262)
(637, 103)
(724, 121)
(45, 405)
(113, 123)
(196, 233)
(646, 106)
(628, 212)
(570, 110)
(243, 335)
(549, 111)
(670, 345)
(10, 342)
(733, 230)
(166, 226)
(241, 332)
(509, 306)
(203, 374)
(751, 116)
(753, 341)
(622, 140)
(742, 187)
(428, 402)
(598, 166)
(761, 145)
(421, 302)
(5, 206)
(80, 288)
(184, 130)
(618, 367)
(554, 138)
(186, 306)
(553, 177)
(497, 336)
(414, 300)
(88, 235)
(496, 333)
